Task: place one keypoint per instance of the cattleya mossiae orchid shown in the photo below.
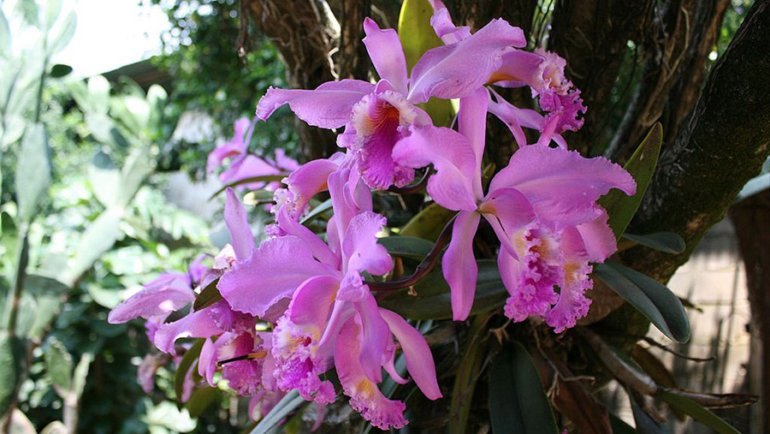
(300, 305)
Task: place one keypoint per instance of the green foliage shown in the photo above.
(210, 76)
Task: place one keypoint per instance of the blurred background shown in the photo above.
(122, 101)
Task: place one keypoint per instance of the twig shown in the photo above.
(657, 344)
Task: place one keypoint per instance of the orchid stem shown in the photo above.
(426, 266)
(414, 188)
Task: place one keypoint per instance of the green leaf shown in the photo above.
(104, 179)
(468, 374)
(698, 412)
(99, 237)
(250, 180)
(417, 36)
(48, 294)
(5, 35)
(428, 223)
(315, 212)
(289, 403)
(517, 402)
(668, 242)
(201, 399)
(58, 364)
(184, 366)
(208, 296)
(80, 375)
(433, 299)
(33, 171)
(620, 427)
(414, 30)
(653, 300)
(641, 166)
(407, 247)
(29, 12)
(645, 424)
(60, 70)
(132, 175)
(11, 362)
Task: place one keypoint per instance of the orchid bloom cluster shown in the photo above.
(298, 306)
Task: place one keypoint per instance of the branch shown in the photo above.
(723, 145)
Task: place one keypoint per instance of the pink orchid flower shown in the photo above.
(375, 117)
(542, 207)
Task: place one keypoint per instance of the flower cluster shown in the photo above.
(298, 305)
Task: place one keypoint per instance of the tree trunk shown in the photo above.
(751, 219)
(722, 146)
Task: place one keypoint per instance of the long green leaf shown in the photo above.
(698, 412)
(208, 296)
(315, 212)
(184, 366)
(417, 36)
(201, 399)
(100, 236)
(11, 359)
(468, 374)
(289, 403)
(656, 302)
(433, 299)
(407, 247)
(668, 242)
(641, 166)
(58, 362)
(517, 402)
(428, 223)
(33, 171)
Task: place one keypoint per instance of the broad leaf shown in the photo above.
(81, 374)
(5, 35)
(65, 33)
(11, 358)
(48, 294)
(620, 427)
(468, 374)
(290, 402)
(104, 179)
(60, 70)
(201, 399)
(428, 223)
(315, 212)
(641, 166)
(668, 242)
(99, 237)
(517, 402)
(184, 366)
(656, 302)
(645, 424)
(698, 412)
(433, 299)
(33, 171)
(58, 363)
(417, 36)
(208, 296)
(407, 247)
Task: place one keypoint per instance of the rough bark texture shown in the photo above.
(351, 58)
(722, 146)
(593, 35)
(751, 219)
(305, 34)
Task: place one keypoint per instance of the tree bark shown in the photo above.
(722, 146)
(593, 36)
(751, 219)
(305, 33)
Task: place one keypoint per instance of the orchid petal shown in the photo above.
(360, 247)
(459, 264)
(272, 273)
(317, 247)
(598, 238)
(312, 302)
(166, 293)
(451, 155)
(387, 55)
(238, 225)
(442, 24)
(328, 106)
(375, 337)
(472, 123)
(419, 360)
(457, 70)
(249, 166)
(562, 185)
(207, 361)
(365, 396)
(199, 324)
